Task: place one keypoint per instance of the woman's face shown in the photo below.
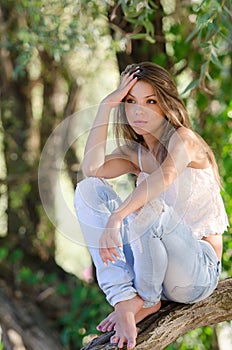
(142, 109)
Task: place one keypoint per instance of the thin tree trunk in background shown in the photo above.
(137, 50)
(16, 115)
(214, 345)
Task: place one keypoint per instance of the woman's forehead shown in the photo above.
(142, 88)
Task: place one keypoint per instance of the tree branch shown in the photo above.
(174, 320)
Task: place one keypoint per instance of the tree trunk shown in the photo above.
(137, 50)
(174, 320)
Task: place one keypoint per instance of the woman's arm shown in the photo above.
(95, 149)
(180, 153)
(95, 162)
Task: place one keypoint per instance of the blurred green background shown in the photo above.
(58, 60)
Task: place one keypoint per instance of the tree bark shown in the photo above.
(174, 320)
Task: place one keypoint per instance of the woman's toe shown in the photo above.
(114, 339)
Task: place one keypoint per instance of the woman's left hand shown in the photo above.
(111, 240)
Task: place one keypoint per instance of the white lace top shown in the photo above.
(195, 197)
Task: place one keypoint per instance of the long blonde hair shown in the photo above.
(170, 103)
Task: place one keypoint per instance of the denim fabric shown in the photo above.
(159, 260)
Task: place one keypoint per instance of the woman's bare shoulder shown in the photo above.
(195, 146)
(187, 137)
(186, 133)
(182, 136)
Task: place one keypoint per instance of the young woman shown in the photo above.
(164, 241)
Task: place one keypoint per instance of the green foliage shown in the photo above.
(55, 27)
(88, 309)
(217, 132)
(17, 196)
(16, 256)
(212, 33)
(140, 14)
(3, 253)
(27, 275)
(198, 339)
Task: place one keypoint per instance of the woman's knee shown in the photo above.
(88, 184)
(97, 194)
(87, 188)
(84, 193)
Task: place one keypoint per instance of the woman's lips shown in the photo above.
(140, 122)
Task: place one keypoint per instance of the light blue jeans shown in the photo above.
(158, 260)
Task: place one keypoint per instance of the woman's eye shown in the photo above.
(151, 101)
(129, 100)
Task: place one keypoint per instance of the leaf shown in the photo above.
(138, 36)
(203, 70)
(191, 86)
(210, 31)
(203, 20)
(149, 27)
(209, 77)
(192, 34)
(214, 59)
(200, 6)
(150, 39)
(205, 44)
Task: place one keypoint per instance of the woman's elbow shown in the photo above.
(90, 171)
(168, 179)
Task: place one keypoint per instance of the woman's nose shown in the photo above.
(139, 110)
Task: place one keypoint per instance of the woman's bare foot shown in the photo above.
(108, 324)
(126, 331)
(144, 312)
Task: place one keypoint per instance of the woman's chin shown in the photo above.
(140, 131)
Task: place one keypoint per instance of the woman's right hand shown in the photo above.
(128, 81)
